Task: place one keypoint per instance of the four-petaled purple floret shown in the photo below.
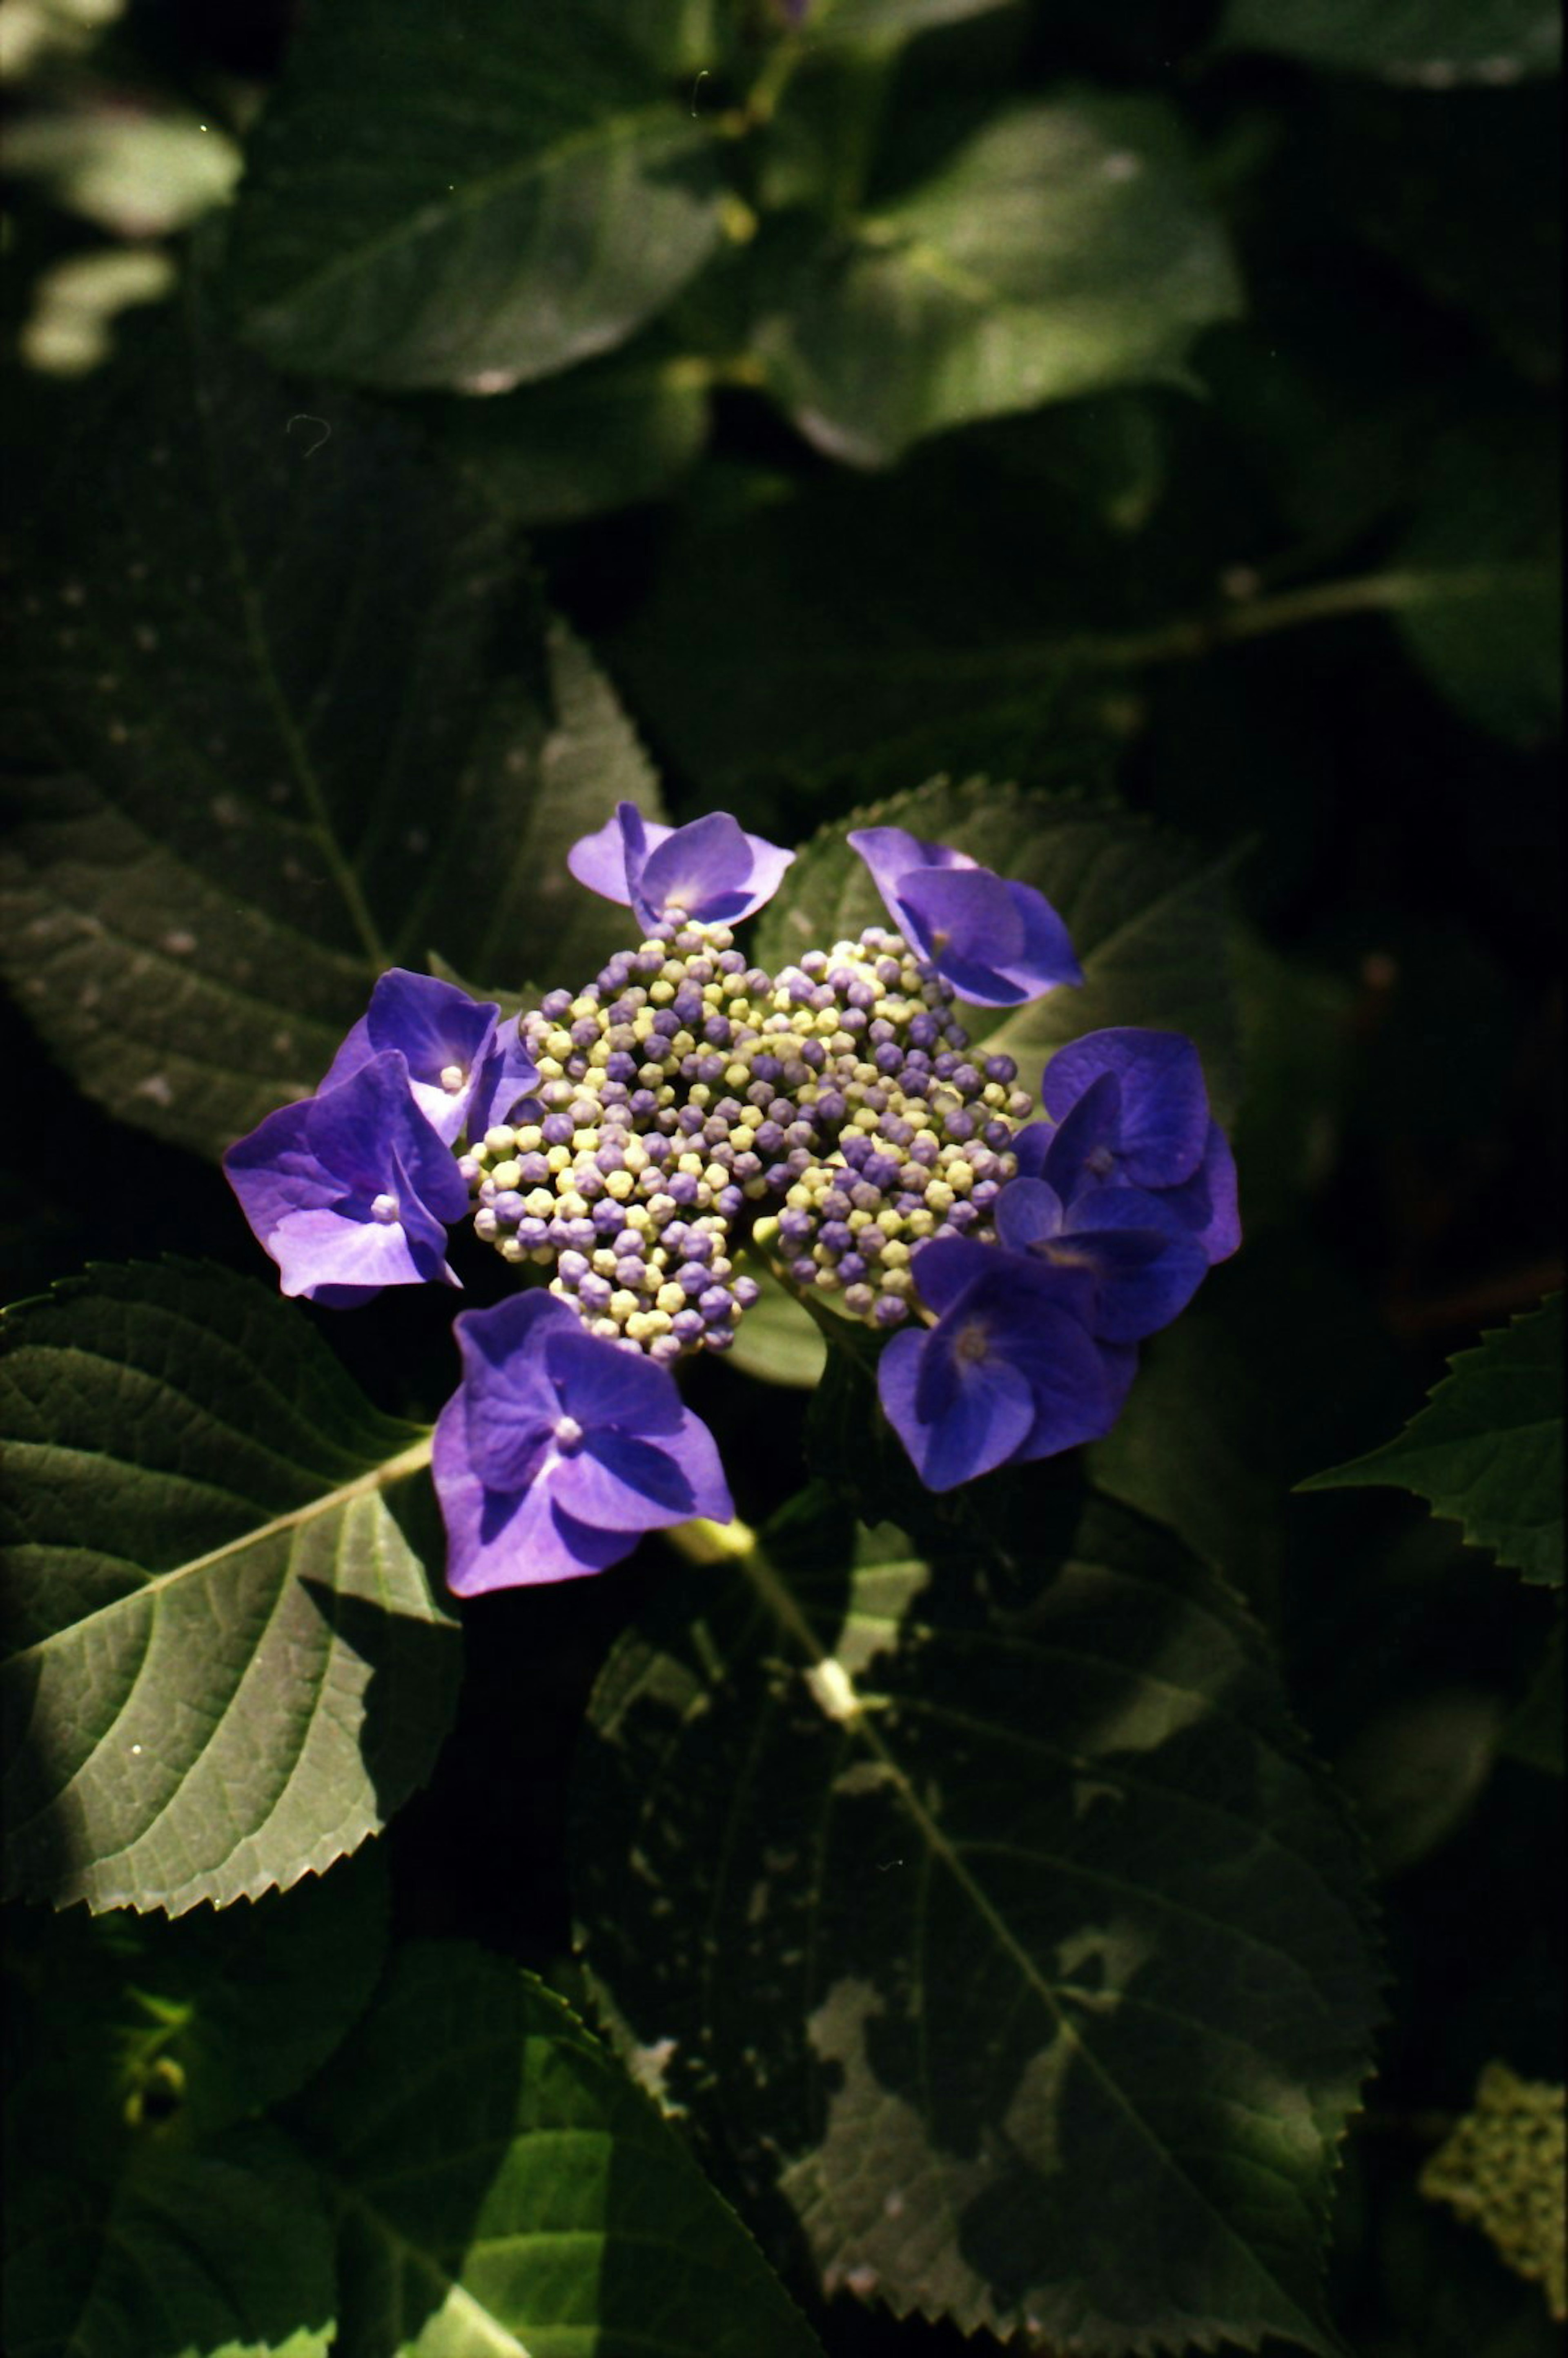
(351, 1190)
(558, 1450)
(712, 871)
(998, 942)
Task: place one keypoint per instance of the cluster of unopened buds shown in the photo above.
(630, 1141)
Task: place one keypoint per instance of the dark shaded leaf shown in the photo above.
(1029, 1985)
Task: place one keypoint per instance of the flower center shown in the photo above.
(385, 1209)
(970, 1343)
(452, 1079)
(1101, 1161)
(568, 1435)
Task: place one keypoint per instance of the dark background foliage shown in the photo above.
(1297, 606)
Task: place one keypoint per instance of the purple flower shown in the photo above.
(997, 942)
(351, 1190)
(1142, 1260)
(711, 869)
(560, 1448)
(1009, 1373)
(464, 1068)
(1129, 1109)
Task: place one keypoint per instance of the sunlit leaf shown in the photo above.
(408, 220)
(1023, 1976)
(501, 2186)
(1487, 1450)
(1064, 248)
(290, 717)
(226, 1667)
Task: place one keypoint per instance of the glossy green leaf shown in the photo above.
(881, 21)
(226, 1666)
(1023, 1978)
(1487, 1450)
(219, 2253)
(1063, 248)
(1432, 43)
(471, 202)
(290, 718)
(1147, 918)
(501, 2186)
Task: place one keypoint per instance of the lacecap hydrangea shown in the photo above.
(620, 1145)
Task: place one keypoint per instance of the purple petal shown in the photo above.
(599, 860)
(318, 1249)
(439, 1029)
(1208, 1201)
(507, 1074)
(1164, 1106)
(1027, 1212)
(1074, 1399)
(355, 1052)
(1116, 1364)
(1079, 1152)
(619, 1482)
(891, 853)
(1150, 1264)
(712, 870)
(965, 923)
(947, 1266)
(364, 1156)
(1049, 959)
(600, 1383)
(507, 1540)
(981, 1414)
(511, 1407)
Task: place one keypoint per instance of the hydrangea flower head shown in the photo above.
(351, 1190)
(998, 942)
(455, 1048)
(711, 869)
(1009, 1373)
(559, 1449)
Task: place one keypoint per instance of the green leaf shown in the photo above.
(226, 1667)
(1484, 616)
(501, 2186)
(603, 435)
(1021, 1975)
(430, 204)
(1062, 249)
(1487, 1450)
(291, 719)
(1148, 920)
(1432, 43)
(777, 1340)
(222, 2251)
